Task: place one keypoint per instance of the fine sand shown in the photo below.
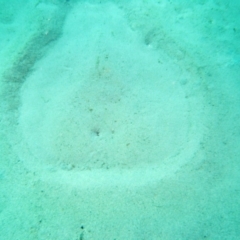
(119, 120)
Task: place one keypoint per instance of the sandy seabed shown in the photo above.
(119, 120)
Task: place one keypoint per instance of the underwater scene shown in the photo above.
(119, 120)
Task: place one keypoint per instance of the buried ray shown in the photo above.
(97, 106)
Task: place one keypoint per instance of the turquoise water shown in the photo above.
(119, 120)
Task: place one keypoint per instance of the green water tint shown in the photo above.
(119, 120)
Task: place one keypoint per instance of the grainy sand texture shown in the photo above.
(119, 120)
